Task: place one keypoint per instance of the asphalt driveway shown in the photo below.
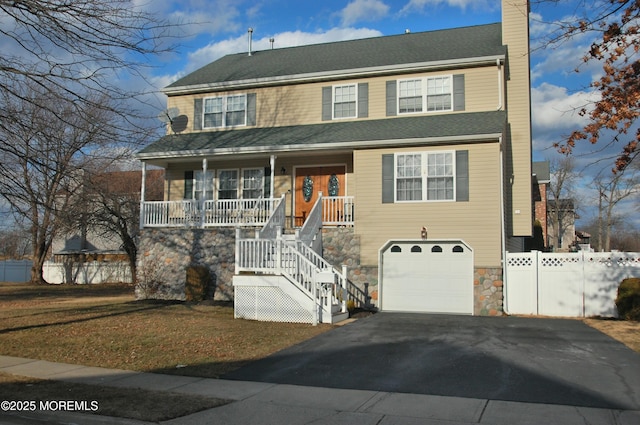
(499, 358)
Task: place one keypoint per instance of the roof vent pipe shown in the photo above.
(250, 39)
(272, 40)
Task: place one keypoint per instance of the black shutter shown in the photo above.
(458, 92)
(462, 176)
(188, 184)
(197, 114)
(251, 109)
(387, 179)
(363, 100)
(327, 101)
(392, 98)
(266, 188)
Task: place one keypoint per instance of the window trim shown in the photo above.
(424, 176)
(333, 101)
(424, 88)
(225, 110)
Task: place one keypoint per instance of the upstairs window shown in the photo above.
(226, 111)
(439, 94)
(410, 96)
(344, 101)
(425, 94)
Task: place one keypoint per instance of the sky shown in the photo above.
(214, 28)
(210, 29)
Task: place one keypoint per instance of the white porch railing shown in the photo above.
(338, 210)
(225, 212)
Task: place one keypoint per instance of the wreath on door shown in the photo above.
(307, 188)
(334, 185)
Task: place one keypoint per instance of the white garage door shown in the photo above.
(427, 276)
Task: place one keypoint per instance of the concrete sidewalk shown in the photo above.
(265, 403)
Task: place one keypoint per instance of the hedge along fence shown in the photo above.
(87, 273)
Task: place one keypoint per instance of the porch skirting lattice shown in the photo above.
(269, 303)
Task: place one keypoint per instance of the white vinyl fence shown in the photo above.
(15, 271)
(84, 273)
(581, 284)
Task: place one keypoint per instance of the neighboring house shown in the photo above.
(541, 180)
(85, 243)
(428, 129)
(561, 216)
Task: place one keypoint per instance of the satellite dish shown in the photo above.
(168, 115)
(179, 123)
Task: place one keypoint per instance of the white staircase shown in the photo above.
(281, 278)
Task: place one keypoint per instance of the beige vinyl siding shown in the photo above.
(477, 221)
(302, 104)
(516, 36)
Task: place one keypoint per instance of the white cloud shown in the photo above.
(554, 109)
(211, 52)
(363, 10)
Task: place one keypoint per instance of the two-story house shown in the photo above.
(286, 164)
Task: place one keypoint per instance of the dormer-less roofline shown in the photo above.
(336, 74)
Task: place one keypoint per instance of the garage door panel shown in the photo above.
(425, 276)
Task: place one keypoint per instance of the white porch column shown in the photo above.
(273, 171)
(204, 191)
(142, 190)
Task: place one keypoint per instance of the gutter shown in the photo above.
(307, 147)
(332, 75)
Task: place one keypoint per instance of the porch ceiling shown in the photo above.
(431, 129)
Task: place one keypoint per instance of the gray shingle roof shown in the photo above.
(424, 47)
(350, 133)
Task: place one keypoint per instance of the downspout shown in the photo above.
(500, 86)
(142, 190)
(503, 243)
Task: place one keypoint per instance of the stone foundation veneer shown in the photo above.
(487, 291)
(165, 254)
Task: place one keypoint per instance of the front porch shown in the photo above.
(336, 211)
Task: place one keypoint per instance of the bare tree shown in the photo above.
(561, 213)
(113, 206)
(75, 48)
(44, 163)
(612, 190)
(70, 73)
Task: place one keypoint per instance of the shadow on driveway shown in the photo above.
(551, 361)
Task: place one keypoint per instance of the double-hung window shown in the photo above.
(252, 183)
(410, 99)
(344, 101)
(425, 94)
(225, 111)
(203, 187)
(228, 184)
(439, 92)
(427, 176)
